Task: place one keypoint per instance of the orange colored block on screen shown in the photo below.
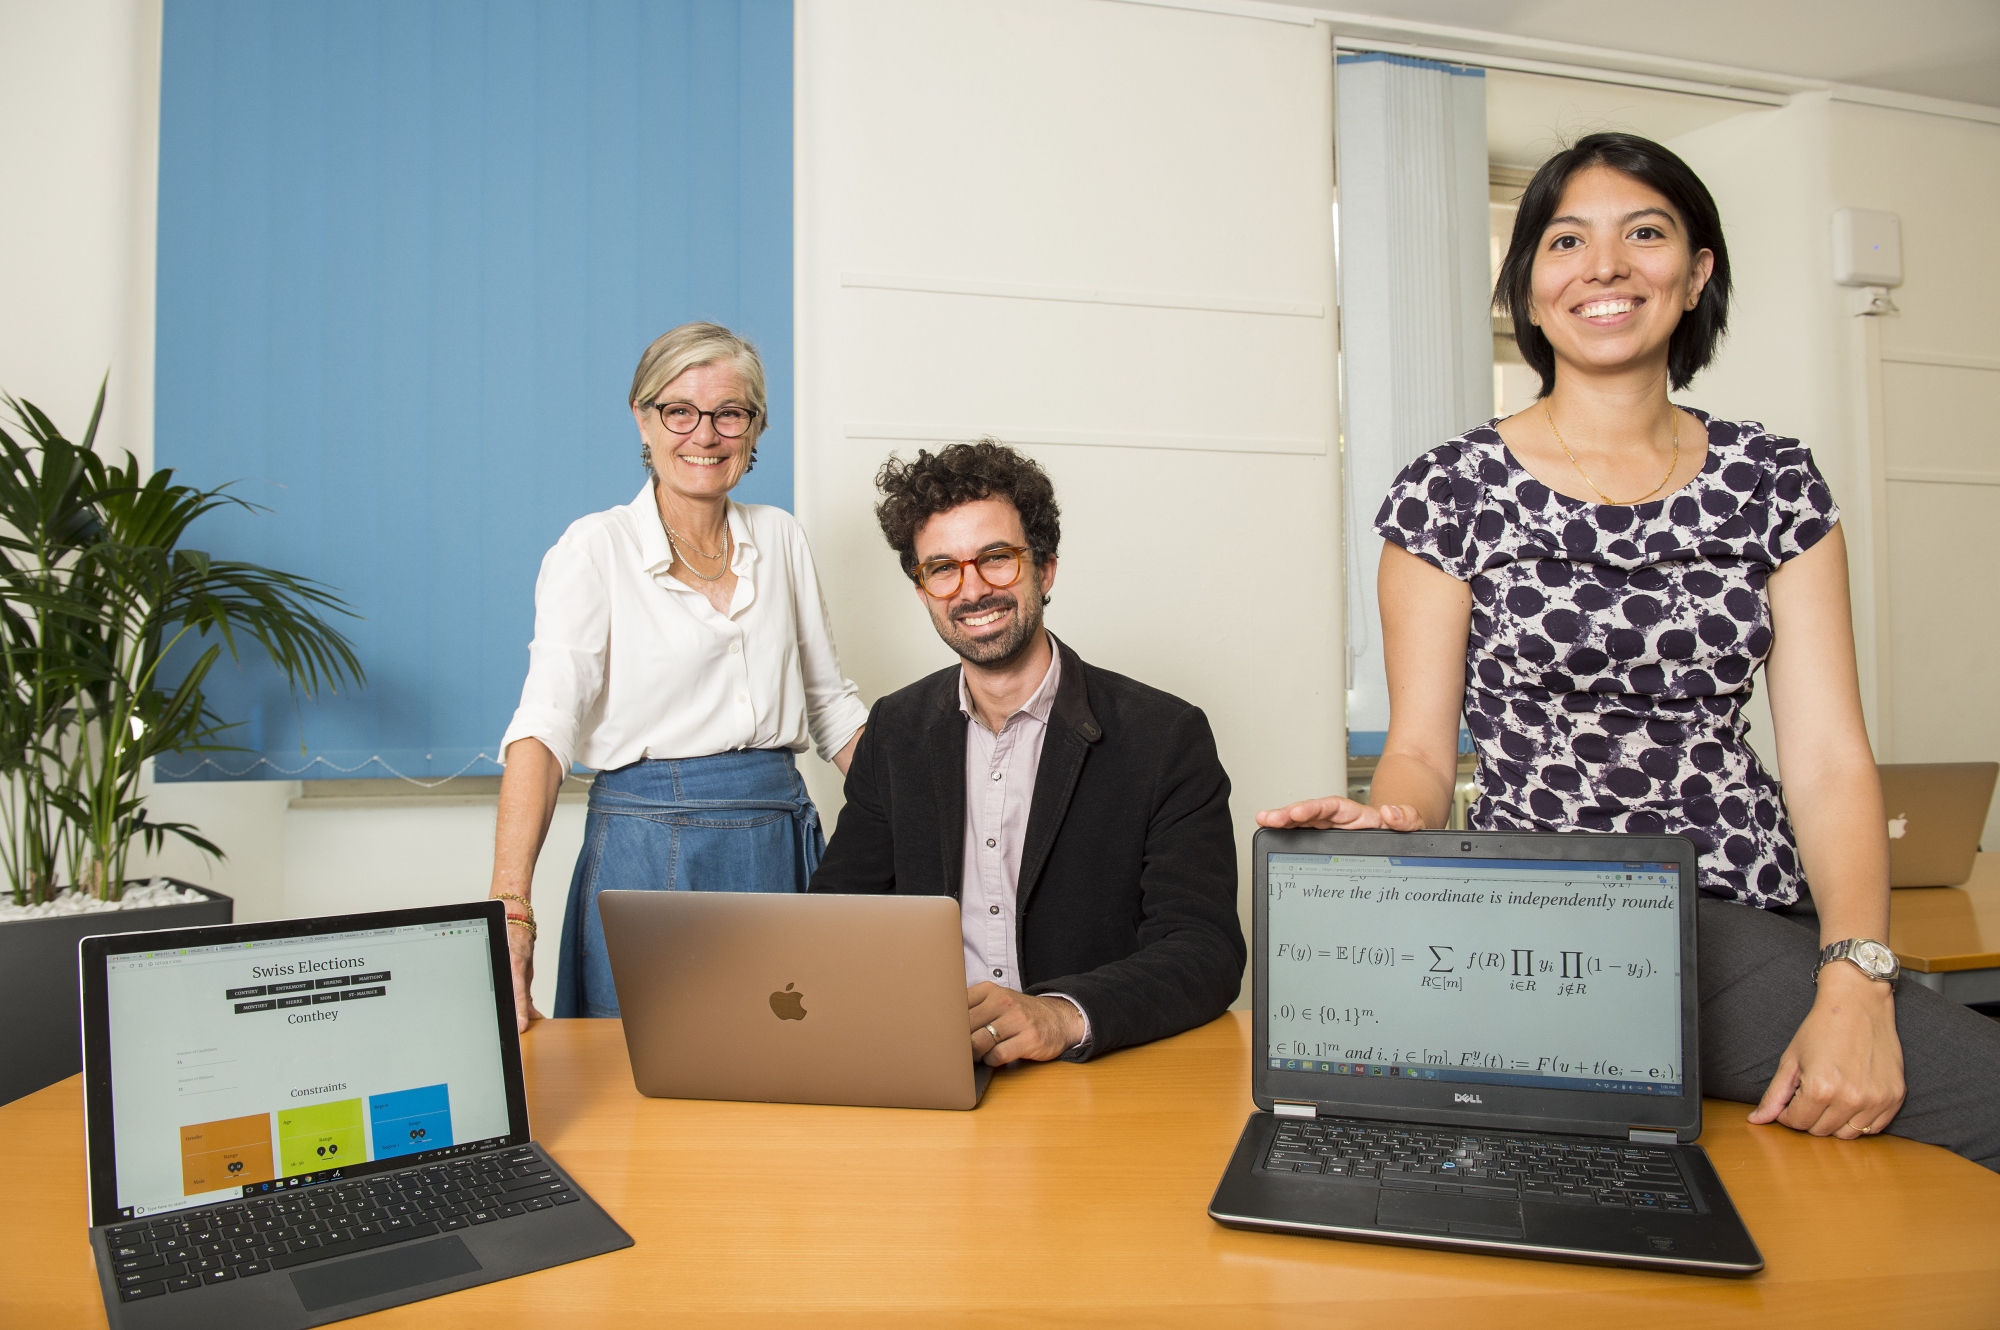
(222, 1154)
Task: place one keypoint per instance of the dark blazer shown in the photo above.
(1127, 897)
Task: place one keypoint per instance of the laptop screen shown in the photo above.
(1547, 974)
(248, 1066)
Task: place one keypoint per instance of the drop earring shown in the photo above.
(646, 456)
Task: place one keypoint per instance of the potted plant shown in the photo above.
(108, 629)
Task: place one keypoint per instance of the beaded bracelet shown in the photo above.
(526, 920)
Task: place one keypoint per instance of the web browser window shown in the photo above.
(1547, 973)
(249, 1067)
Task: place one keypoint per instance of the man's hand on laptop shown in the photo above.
(1334, 813)
(1037, 1029)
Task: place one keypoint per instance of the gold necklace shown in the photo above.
(1672, 466)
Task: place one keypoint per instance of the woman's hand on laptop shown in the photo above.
(521, 953)
(1008, 1026)
(1334, 813)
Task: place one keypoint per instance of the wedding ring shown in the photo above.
(995, 1033)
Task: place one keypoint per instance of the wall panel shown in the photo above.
(1017, 158)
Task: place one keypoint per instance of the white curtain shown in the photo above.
(1416, 335)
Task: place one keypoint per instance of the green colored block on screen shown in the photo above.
(320, 1136)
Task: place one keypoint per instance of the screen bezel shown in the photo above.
(93, 953)
(1504, 1107)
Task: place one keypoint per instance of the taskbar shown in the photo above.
(1470, 1076)
(372, 1167)
(348, 1173)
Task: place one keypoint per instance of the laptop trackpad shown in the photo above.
(385, 1272)
(1443, 1212)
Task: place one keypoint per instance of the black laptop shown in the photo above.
(1484, 1042)
(293, 1123)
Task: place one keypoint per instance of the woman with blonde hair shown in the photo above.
(682, 652)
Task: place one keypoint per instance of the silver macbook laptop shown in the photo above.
(1937, 812)
(293, 1123)
(815, 999)
(1480, 1041)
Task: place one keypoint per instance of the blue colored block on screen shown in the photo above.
(409, 1121)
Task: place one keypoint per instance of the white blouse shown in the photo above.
(629, 662)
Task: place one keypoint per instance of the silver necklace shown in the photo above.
(676, 541)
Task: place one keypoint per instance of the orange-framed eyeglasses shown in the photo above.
(999, 568)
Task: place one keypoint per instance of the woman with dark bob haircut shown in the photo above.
(1592, 584)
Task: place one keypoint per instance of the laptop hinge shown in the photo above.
(1286, 1109)
(1648, 1136)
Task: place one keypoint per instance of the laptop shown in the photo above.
(297, 1122)
(1937, 811)
(794, 999)
(1484, 1042)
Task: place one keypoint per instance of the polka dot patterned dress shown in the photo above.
(1613, 647)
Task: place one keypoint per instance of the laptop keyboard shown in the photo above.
(1530, 1168)
(244, 1239)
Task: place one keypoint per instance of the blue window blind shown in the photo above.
(409, 254)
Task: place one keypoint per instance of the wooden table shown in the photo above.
(1948, 938)
(1075, 1196)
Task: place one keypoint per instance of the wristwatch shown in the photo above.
(1868, 956)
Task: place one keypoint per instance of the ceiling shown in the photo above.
(1531, 116)
(1935, 48)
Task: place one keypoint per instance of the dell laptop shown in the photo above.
(1937, 811)
(798, 999)
(1480, 1041)
(293, 1123)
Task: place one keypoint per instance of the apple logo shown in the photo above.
(790, 1006)
(1898, 825)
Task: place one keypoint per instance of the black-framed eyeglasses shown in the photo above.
(731, 422)
(999, 568)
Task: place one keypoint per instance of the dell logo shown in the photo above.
(1466, 1099)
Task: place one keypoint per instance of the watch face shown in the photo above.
(1875, 958)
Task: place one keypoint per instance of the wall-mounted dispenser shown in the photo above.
(1867, 248)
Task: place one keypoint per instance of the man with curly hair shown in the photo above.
(1080, 818)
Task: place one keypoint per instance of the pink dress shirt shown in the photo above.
(1000, 771)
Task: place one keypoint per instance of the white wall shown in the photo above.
(1939, 395)
(1906, 395)
(1101, 232)
(79, 121)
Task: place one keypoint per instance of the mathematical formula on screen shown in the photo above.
(1565, 974)
(1444, 966)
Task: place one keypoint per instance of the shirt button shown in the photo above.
(992, 909)
(996, 775)
(989, 842)
(741, 698)
(996, 974)
(735, 647)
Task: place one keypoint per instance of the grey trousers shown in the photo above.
(1756, 987)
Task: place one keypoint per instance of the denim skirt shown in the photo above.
(738, 821)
